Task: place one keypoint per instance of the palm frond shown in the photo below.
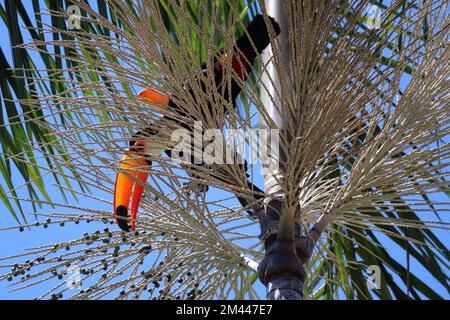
(356, 151)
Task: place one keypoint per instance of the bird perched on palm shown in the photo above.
(151, 140)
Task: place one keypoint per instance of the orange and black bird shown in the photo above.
(128, 191)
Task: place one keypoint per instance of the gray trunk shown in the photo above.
(281, 271)
(285, 288)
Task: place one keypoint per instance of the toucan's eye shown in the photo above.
(138, 146)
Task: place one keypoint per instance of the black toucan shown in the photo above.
(128, 192)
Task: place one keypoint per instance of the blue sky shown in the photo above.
(13, 241)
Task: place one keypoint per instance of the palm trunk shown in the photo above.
(281, 271)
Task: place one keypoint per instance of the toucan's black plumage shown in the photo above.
(243, 58)
(246, 49)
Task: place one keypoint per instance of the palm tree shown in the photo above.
(361, 105)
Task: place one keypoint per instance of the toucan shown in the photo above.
(128, 191)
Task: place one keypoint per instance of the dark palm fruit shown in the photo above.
(146, 249)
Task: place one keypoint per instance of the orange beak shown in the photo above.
(129, 185)
(128, 189)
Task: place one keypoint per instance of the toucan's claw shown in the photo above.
(196, 187)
